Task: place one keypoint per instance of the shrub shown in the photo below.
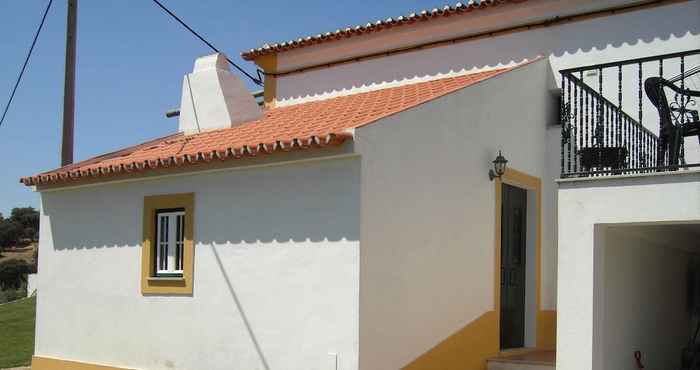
(34, 266)
(13, 273)
(12, 295)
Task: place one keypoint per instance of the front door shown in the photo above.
(513, 242)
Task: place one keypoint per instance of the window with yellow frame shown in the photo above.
(167, 251)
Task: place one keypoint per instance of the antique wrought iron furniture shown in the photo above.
(677, 119)
(608, 122)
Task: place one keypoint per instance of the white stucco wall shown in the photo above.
(481, 21)
(645, 301)
(598, 40)
(275, 277)
(427, 218)
(31, 284)
(586, 208)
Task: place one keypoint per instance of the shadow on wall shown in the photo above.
(243, 315)
(298, 203)
(599, 36)
(288, 204)
(313, 202)
(88, 219)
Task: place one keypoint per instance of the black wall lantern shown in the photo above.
(499, 166)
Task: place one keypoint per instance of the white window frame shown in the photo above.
(170, 242)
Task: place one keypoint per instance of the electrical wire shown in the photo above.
(26, 61)
(257, 81)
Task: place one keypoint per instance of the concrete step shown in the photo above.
(527, 360)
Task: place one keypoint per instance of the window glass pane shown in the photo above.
(179, 241)
(165, 229)
(177, 244)
(161, 222)
(170, 235)
(166, 246)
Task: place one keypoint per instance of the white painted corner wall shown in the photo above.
(275, 277)
(427, 217)
(586, 209)
(31, 284)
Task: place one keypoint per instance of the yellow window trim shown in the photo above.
(149, 283)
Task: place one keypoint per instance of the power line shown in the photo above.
(26, 61)
(257, 81)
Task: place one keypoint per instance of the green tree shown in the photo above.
(28, 218)
(10, 232)
(13, 273)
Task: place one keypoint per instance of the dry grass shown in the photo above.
(23, 253)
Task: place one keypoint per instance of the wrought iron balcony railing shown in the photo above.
(627, 117)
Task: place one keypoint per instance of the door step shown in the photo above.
(531, 360)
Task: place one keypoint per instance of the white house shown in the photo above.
(351, 222)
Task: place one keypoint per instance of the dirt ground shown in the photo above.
(24, 253)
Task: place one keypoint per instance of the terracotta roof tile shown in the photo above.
(379, 25)
(306, 125)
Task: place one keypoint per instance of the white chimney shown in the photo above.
(213, 98)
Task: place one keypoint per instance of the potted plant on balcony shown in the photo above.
(600, 157)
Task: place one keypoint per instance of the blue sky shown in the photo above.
(131, 59)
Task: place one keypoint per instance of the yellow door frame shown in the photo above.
(530, 183)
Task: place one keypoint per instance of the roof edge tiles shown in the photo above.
(310, 125)
(379, 25)
(83, 169)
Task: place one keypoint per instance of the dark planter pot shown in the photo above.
(603, 158)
